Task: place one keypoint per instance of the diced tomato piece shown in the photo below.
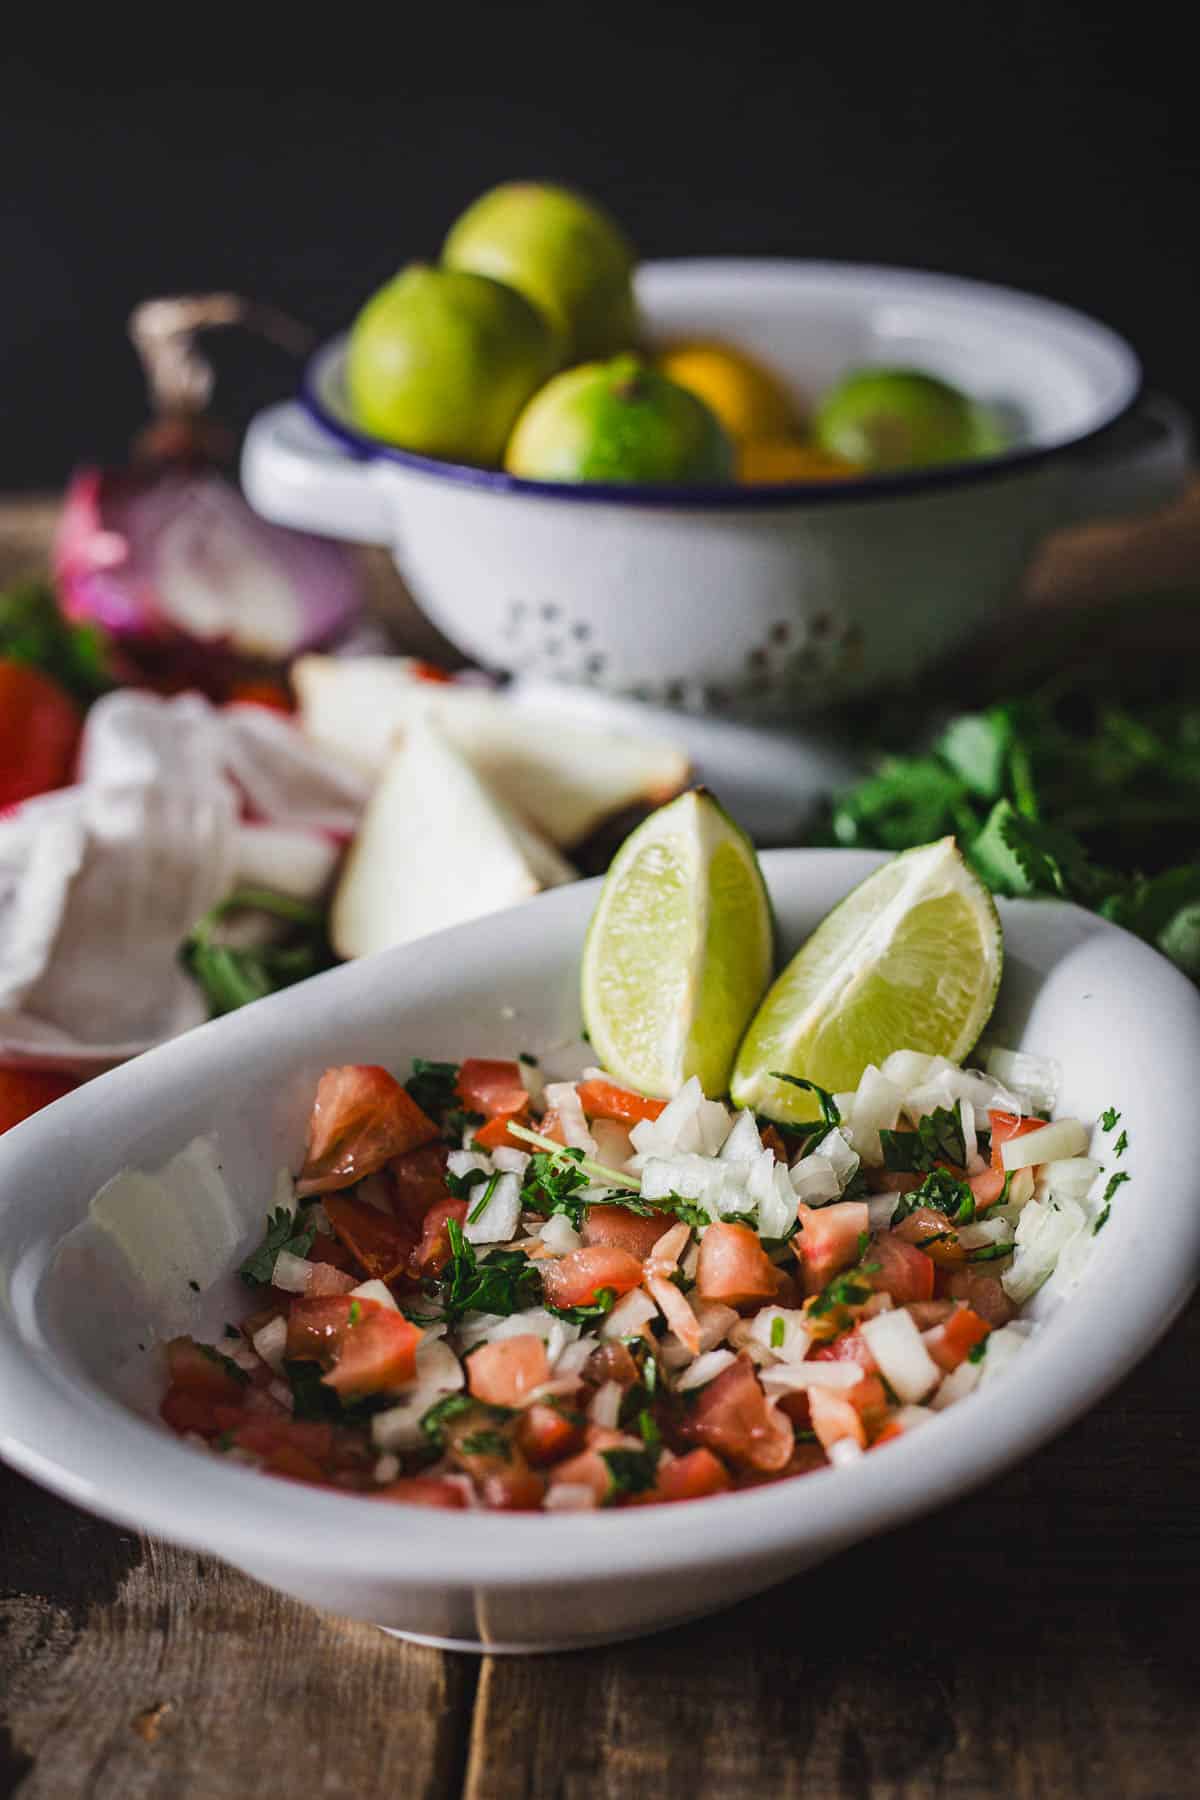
(731, 1417)
(327, 1249)
(733, 1266)
(424, 1490)
(772, 1140)
(984, 1294)
(515, 1489)
(379, 1244)
(931, 1232)
(378, 1351)
(987, 1187)
(495, 1135)
(928, 1313)
(691, 1477)
(903, 1272)
(199, 1370)
(576, 1279)
(25, 1091)
(611, 1361)
(501, 1374)
(616, 1228)
(588, 1469)
(834, 1418)
(326, 1280)
(433, 1252)
(40, 728)
(316, 1327)
(892, 1181)
(950, 1342)
(605, 1100)
(266, 1435)
(849, 1346)
(829, 1240)
(361, 1119)
(546, 1434)
(491, 1087)
(1006, 1125)
(418, 1180)
(294, 1465)
(869, 1399)
(185, 1409)
(551, 1126)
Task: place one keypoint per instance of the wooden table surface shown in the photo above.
(1037, 1639)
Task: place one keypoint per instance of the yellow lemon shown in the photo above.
(749, 400)
(787, 459)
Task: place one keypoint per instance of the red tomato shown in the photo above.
(731, 1417)
(266, 1435)
(513, 1489)
(835, 1418)
(25, 1091)
(326, 1279)
(849, 1346)
(379, 1244)
(378, 1351)
(987, 1187)
(491, 1087)
(186, 1411)
(1007, 1125)
(40, 727)
(904, 1272)
(331, 1250)
(931, 1232)
(433, 1252)
(199, 1370)
(424, 1490)
(605, 1100)
(691, 1477)
(575, 1279)
(772, 1139)
(361, 1118)
(418, 1181)
(949, 1343)
(984, 1294)
(501, 1374)
(545, 1434)
(262, 691)
(495, 1135)
(611, 1361)
(734, 1267)
(829, 1239)
(588, 1469)
(616, 1228)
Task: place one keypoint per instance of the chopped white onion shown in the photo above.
(908, 1068)
(279, 1390)
(559, 1235)
(563, 1096)
(880, 1208)
(715, 1320)
(705, 1369)
(497, 1223)
(876, 1108)
(569, 1496)
(386, 1469)
(783, 1377)
(984, 1231)
(1044, 1230)
(532, 1079)
(814, 1180)
(966, 1118)
(904, 1362)
(605, 1408)
(743, 1145)
(910, 1417)
(613, 1144)
(1036, 1077)
(1071, 1177)
(675, 1127)
(956, 1385)
(464, 1162)
(271, 1343)
(439, 1372)
(843, 1451)
(375, 1290)
(1062, 1139)
(770, 1191)
(782, 1330)
(572, 1357)
(1002, 1346)
(292, 1273)
(510, 1162)
(836, 1150)
(555, 1332)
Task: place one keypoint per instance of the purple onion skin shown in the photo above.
(134, 547)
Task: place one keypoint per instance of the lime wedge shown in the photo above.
(679, 950)
(910, 960)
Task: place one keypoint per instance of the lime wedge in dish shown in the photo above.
(679, 950)
(910, 960)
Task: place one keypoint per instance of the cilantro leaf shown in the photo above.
(486, 1443)
(941, 1192)
(232, 1369)
(1109, 1119)
(1114, 1182)
(552, 1182)
(629, 1472)
(435, 1416)
(281, 1234)
(434, 1088)
(991, 1252)
(1121, 1145)
(849, 1289)
(606, 1299)
(938, 1137)
(978, 1351)
(830, 1112)
(505, 1282)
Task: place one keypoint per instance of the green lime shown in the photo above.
(678, 951)
(897, 419)
(618, 421)
(910, 960)
(441, 362)
(562, 252)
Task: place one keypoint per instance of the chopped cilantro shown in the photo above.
(1109, 1118)
(195, 1286)
(552, 1183)
(486, 1443)
(849, 1289)
(434, 1087)
(939, 1192)
(506, 1282)
(459, 1186)
(435, 1416)
(978, 1351)
(937, 1138)
(232, 1331)
(232, 1369)
(831, 1116)
(523, 1056)
(778, 1332)
(281, 1234)
(1114, 1182)
(477, 1212)
(991, 1252)
(1121, 1145)
(629, 1472)
(648, 1427)
(224, 1441)
(606, 1299)
(355, 1313)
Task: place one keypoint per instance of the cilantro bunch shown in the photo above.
(1064, 794)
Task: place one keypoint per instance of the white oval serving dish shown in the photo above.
(1123, 1022)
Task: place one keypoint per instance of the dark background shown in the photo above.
(1044, 146)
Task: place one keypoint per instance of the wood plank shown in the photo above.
(130, 1670)
(1036, 1640)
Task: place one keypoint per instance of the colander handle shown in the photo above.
(294, 473)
